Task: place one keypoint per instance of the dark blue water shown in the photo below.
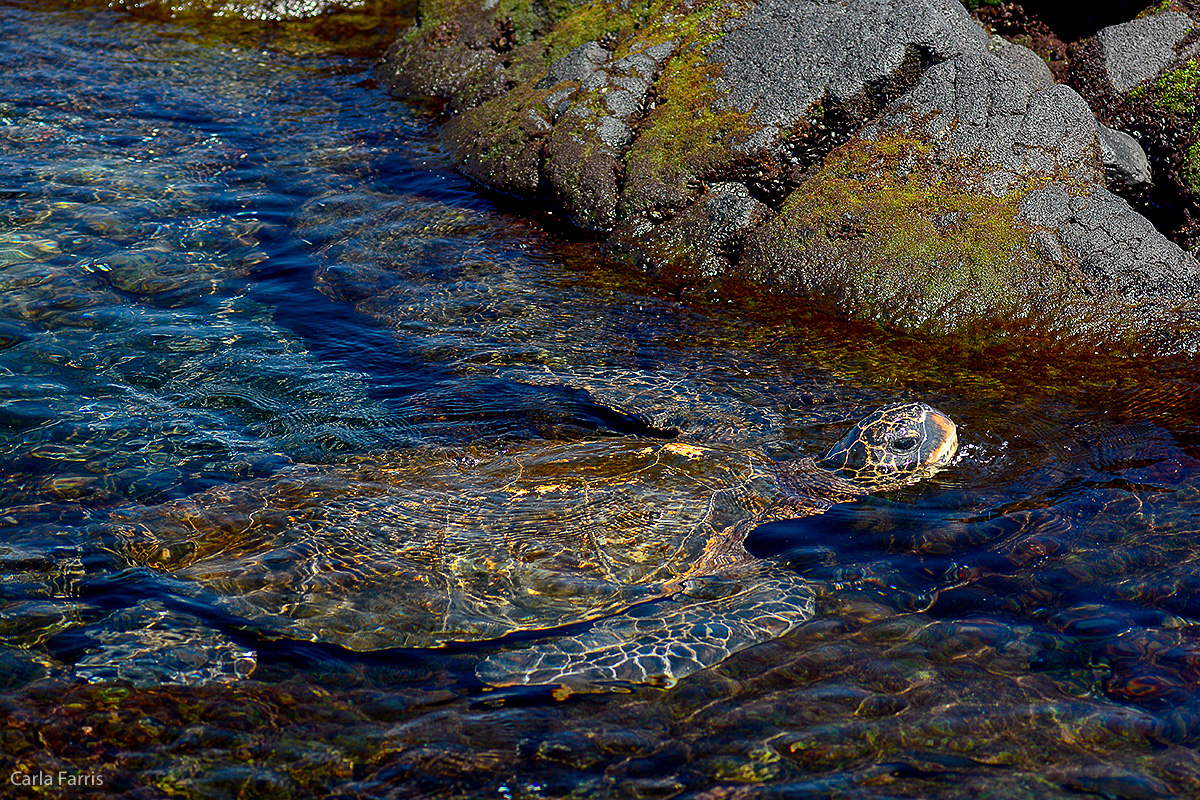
(235, 281)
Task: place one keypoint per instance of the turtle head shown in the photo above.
(897, 444)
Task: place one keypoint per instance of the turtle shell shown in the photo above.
(440, 547)
(688, 406)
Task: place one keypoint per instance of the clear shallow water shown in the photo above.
(219, 266)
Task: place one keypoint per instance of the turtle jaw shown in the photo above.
(941, 427)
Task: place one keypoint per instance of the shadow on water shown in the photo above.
(479, 408)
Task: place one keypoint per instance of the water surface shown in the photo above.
(220, 265)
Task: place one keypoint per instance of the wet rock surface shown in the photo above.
(1125, 162)
(633, 120)
(864, 703)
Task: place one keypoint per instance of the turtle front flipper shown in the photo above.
(658, 643)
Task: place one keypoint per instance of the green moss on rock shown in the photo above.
(590, 21)
(1175, 90)
(582, 171)
(684, 141)
(1165, 5)
(499, 143)
(887, 229)
(1169, 109)
(892, 235)
(1191, 168)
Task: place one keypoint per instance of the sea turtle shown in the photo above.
(640, 537)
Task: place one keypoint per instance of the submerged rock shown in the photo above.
(300, 26)
(149, 645)
(889, 159)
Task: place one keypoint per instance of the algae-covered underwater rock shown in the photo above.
(301, 26)
(886, 158)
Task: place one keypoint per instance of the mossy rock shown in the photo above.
(893, 235)
(1163, 113)
(886, 182)
(683, 139)
(1175, 91)
(506, 155)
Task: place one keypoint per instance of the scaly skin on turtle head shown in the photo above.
(895, 445)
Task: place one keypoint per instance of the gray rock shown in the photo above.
(1114, 244)
(613, 132)
(1047, 207)
(980, 107)
(787, 56)
(993, 123)
(1127, 73)
(637, 64)
(1000, 182)
(561, 109)
(634, 85)
(764, 139)
(991, 109)
(596, 81)
(554, 100)
(1047, 243)
(1140, 49)
(577, 65)
(969, 124)
(1027, 62)
(621, 103)
(646, 63)
(1122, 249)
(662, 51)
(730, 209)
(1125, 162)
(690, 250)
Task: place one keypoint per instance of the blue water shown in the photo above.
(223, 266)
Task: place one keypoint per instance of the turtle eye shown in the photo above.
(905, 444)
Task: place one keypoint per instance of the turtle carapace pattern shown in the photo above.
(636, 544)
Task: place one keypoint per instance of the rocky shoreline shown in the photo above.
(890, 159)
(911, 163)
